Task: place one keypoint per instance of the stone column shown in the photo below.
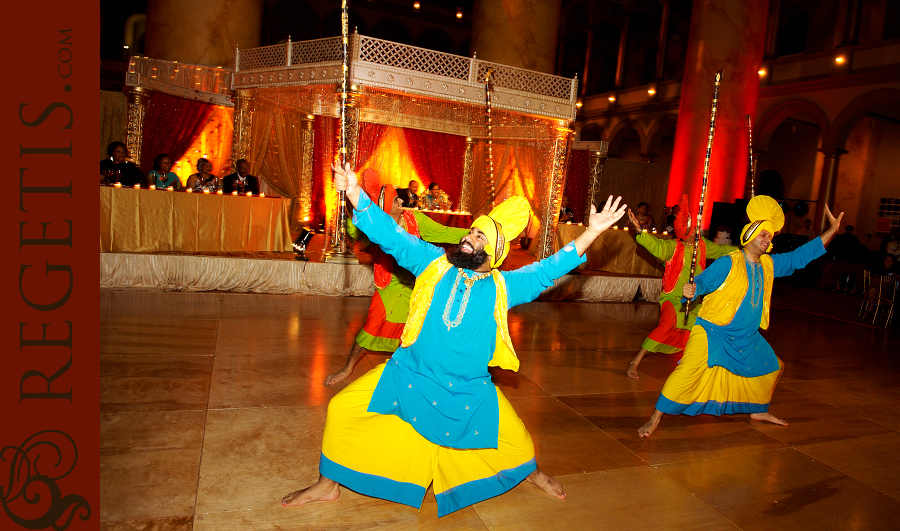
(554, 184)
(726, 35)
(772, 29)
(306, 175)
(586, 72)
(243, 122)
(828, 186)
(620, 59)
(202, 31)
(663, 37)
(520, 33)
(138, 98)
(465, 199)
(851, 26)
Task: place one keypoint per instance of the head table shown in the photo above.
(614, 251)
(142, 220)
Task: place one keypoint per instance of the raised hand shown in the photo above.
(634, 221)
(611, 213)
(834, 222)
(345, 181)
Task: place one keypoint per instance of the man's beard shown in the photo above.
(471, 261)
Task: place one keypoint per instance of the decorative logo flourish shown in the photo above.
(31, 498)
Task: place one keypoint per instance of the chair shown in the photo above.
(884, 304)
(866, 282)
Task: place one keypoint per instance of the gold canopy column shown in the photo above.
(597, 159)
(465, 199)
(555, 184)
(138, 98)
(306, 175)
(339, 234)
(243, 121)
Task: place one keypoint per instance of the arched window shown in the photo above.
(436, 39)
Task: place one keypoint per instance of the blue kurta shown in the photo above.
(738, 346)
(440, 384)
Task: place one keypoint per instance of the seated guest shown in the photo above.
(565, 213)
(116, 169)
(161, 175)
(203, 179)
(409, 195)
(241, 180)
(891, 244)
(436, 199)
(643, 216)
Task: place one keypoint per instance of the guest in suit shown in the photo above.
(241, 180)
(409, 196)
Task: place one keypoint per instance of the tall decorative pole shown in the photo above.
(697, 225)
(339, 252)
(488, 90)
(751, 169)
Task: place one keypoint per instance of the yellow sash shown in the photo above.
(720, 306)
(422, 295)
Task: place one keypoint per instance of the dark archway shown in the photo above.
(294, 18)
(392, 29)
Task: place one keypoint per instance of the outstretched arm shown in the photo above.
(599, 222)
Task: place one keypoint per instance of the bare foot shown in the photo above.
(651, 425)
(339, 376)
(768, 417)
(548, 483)
(324, 490)
(632, 370)
(633, 365)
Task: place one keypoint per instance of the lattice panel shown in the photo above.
(416, 59)
(185, 75)
(526, 80)
(265, 57)
(317, 51)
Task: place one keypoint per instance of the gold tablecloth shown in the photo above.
(153, 220)
(615, 251)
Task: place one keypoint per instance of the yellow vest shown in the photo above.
(720, 306)
(420, 300)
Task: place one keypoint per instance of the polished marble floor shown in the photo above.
(212, 408)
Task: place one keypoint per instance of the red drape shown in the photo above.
(438, 157)
(369, 137)
(171, 125)
(578, 178)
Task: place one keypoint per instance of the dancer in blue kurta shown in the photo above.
(431, 415)
(728, 367)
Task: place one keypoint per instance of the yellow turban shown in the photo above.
(505, 222)
(764, 213)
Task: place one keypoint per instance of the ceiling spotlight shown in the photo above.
(612, 99)
(840, 59)
(416, 5)
(459, 13)
(761, 72)
(651, 91)
(578, 104)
